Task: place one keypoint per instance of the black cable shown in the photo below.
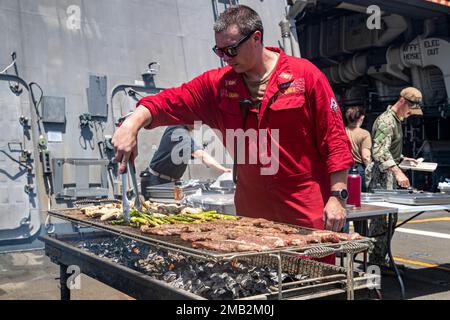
(36, 104)
(14, 88)
(32, 93)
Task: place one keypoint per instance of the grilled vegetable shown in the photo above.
(190, 215)
(190, 210)
(139, 221)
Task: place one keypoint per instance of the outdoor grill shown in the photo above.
(159, 267)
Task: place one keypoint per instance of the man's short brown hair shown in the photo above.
(245, 18)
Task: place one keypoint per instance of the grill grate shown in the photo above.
(175, 243)
(112, 263)
(240, 278)
(291, 264)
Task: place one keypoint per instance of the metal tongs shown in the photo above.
(125, 200)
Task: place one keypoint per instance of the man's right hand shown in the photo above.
(226, 170)
(402, 179)
(125, 143)
(125, 137)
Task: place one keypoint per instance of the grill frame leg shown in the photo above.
(63, 277)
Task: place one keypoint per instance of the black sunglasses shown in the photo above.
(231, 51)
(414, 105)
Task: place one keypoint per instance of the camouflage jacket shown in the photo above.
(387, 138)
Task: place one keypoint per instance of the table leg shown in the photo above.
(391, 258)
(408, 220)
(365, 232)
(63, 277)
(365, 260)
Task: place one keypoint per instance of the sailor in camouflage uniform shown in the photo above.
(384, 172)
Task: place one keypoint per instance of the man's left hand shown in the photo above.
(411, 161)
(334, 214)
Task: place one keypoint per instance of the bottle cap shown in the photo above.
(353, 170)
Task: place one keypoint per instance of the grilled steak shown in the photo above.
(201, 227)
(264, 241)
(201, 236)
(228, 246)
(327, 236)
(165, 230)
(349, 236)
(295, 239)
(263, 223)
(247, 234)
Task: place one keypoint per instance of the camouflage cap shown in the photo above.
(414, 97)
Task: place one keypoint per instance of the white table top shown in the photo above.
(369, 210)
(402, 208)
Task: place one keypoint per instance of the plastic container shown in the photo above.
(354, 188)
(222, 203)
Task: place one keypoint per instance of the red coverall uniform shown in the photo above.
(312, 141)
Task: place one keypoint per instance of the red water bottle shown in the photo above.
(354, 188)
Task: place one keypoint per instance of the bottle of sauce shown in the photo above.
(354, 188)
(178, 191)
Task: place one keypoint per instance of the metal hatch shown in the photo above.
(19, 201)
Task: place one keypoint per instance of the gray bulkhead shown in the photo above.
(78, 52)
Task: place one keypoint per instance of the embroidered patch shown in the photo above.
(285, 76)
(299, 84)
(285, 85)
(333, 105)
(290, 90)
(296, 86)
(224, 93)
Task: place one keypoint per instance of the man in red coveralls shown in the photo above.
(264, 90)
